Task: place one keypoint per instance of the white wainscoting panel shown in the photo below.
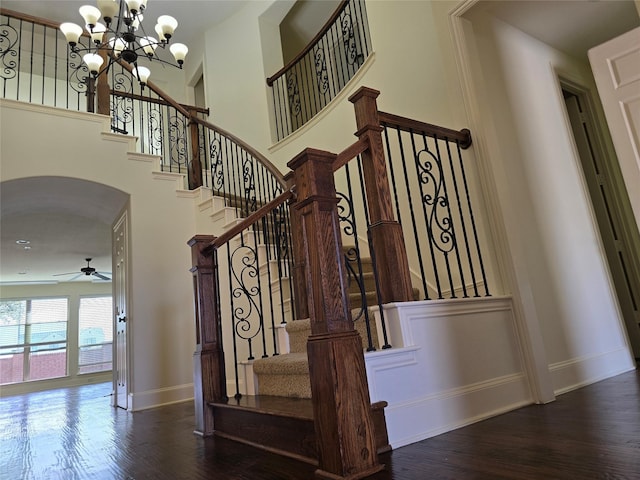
(453, 362)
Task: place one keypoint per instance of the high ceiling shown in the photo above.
(194, 16)
(67, 220)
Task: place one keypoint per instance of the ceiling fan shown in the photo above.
(88, 271)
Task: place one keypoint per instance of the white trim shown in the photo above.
(581, 371)
(526, 318)
(160, 396)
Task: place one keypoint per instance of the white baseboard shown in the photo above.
(448, 410)
(581, 371)
(161, 396)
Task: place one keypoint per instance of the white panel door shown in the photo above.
(616, 68)
(120, 262)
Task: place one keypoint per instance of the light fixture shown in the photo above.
(123, 37)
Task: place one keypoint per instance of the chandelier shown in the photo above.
(122, 37)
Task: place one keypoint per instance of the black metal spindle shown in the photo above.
(473, 222)
(463, 226)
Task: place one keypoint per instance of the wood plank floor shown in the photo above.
(73, 434)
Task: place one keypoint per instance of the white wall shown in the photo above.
(162, 333)
(549, 220)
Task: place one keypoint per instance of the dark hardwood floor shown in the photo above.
(73, 434)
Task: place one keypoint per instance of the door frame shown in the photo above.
(625, 223)
(123, 216)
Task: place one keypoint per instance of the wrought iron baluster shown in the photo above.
(464, 228)
(473, 223)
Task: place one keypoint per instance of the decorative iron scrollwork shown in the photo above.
(354, 56)
(178, 140)
(8, 41)
(294, 94)
(248, 179)
(217, 167)
(247, 317)
(321, 70)
(438, 219)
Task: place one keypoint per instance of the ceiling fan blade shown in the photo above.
(68, 273)
(100, 276)
(76, 277)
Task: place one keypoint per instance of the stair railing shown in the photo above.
(303, 87)
(36, 65)
(253, 258)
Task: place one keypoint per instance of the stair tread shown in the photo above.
(295, 363)
(301, 408)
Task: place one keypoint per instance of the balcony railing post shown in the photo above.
(195, 165)
(386, 233)
(301, 308)
(340, 394)
(209, 379)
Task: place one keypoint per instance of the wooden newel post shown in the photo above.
(340, 394)
(209, 379)
(301, 308)
(104, 89)
(195, 165)
(385, 232)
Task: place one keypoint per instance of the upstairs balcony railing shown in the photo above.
(303, 87)
(38, 67)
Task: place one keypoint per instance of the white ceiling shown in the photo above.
(69, 220)
(194, 16)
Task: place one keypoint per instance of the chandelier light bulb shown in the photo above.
(117, 45)
(94, 62)
(142, 74)
(71, 32)
(122, 32)
(179, 51)
(109, 9)
(167, 25)
(97, 32)
(90, 14)
(149, 45)
(134, 5)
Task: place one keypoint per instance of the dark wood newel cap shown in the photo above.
(311, 154)
(200, 239)
(364, 92)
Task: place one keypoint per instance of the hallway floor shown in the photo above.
(73, 434)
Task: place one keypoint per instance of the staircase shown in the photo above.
(277, 413)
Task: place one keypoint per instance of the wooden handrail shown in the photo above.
(311, 44)
(158, 101)
(253, 152)
(30, 18)
(251, 219)
(409, 125)
(351, 152)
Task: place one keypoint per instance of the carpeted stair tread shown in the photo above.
(285, 364)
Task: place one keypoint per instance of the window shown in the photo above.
(95, 334)
(33, 339)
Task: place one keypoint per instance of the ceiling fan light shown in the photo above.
(71, 32)
(179, 51)
(90, 14)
